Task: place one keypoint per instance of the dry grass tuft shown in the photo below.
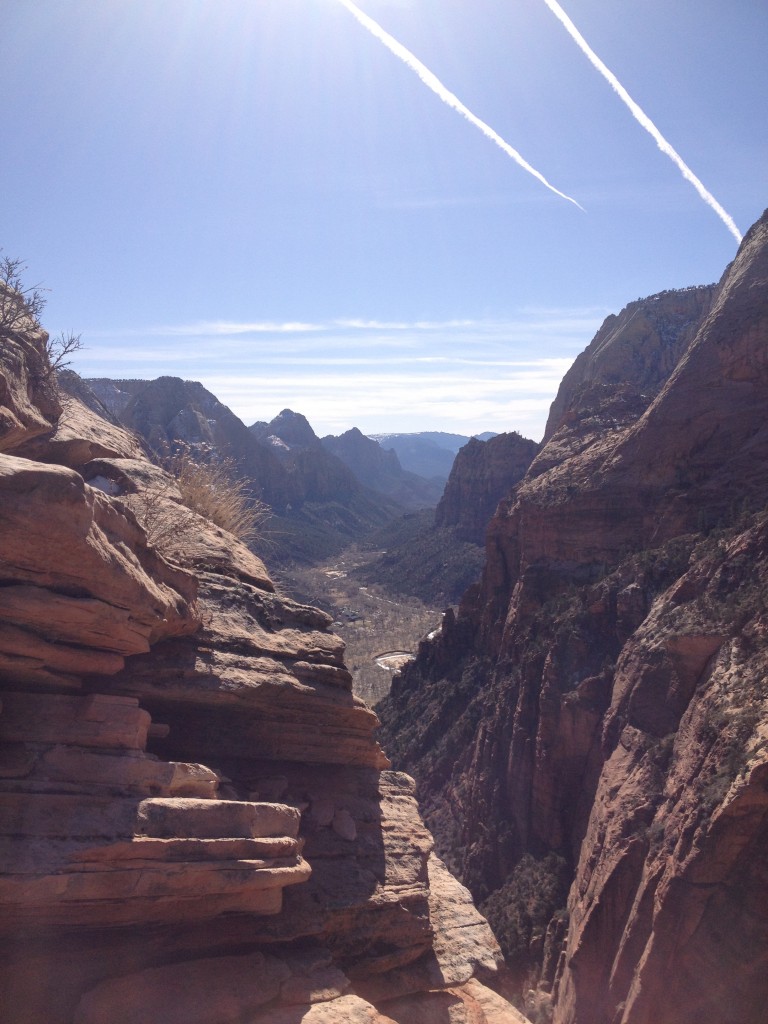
(207, 487)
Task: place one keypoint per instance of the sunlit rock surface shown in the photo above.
(196, 823)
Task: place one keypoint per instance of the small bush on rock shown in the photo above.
(208, 487)
(18, 304)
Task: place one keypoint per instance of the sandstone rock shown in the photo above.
(269, 653)
(153, 496)
(79, 437)
(345, 1010)
(483, 473)
(164, 818)
(603, 686)
(96, 720)
(464, 945)
(215, 991)
(108, 593)
(29, 405)
(471, 1003)
(344, 825)
(313, 979)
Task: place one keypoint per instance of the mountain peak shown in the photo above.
(293, 428)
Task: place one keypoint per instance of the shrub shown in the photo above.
(520, 910)
(21, 307)
(166, 523)
(18, 305)
(208, 487)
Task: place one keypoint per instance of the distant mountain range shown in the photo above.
(380, 469)
(325, 493)
(428, 453)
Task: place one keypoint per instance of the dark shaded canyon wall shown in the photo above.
(597, 710)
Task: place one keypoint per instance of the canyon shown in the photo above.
(198, 824)
(589, 732)
(203, 822)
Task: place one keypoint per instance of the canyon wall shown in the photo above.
(197, 824)
(483, 473)
(589, 733)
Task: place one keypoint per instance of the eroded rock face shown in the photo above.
(597, 709)
(81, 435)
(195, 824)
(28, 401)
(483, 473)
(80, 587)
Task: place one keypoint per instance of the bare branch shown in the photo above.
(18, 304)
(59, 348)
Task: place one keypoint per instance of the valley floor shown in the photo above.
(381, 629)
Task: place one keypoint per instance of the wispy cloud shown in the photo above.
(364, 331)
(641, 117)
(223, 328)
(433, 82)
(517, 398)
(467, 374)
(404, 325)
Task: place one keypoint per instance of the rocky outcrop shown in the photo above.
(80, 588)
(28, 400)
(81, 433)
(483, 473)
(638, 349)
(196, 822)
(597, 710)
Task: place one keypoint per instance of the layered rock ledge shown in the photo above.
(196, 822)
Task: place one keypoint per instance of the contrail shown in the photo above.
(639, 114)
(437, 87)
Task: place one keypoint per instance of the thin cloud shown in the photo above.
(517, 400)
(478, 374)
(433, 82)
(209, 328)
(224, 328)
(416, 325)
(641, 117)
(235, 333)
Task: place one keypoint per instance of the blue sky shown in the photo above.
(257, 194)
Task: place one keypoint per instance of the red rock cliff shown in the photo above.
(589, 734)
(196, 823)
(483, 473)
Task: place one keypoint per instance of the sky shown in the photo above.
(260, 195)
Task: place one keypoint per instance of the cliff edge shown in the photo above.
(589, 733)
(197, 822)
